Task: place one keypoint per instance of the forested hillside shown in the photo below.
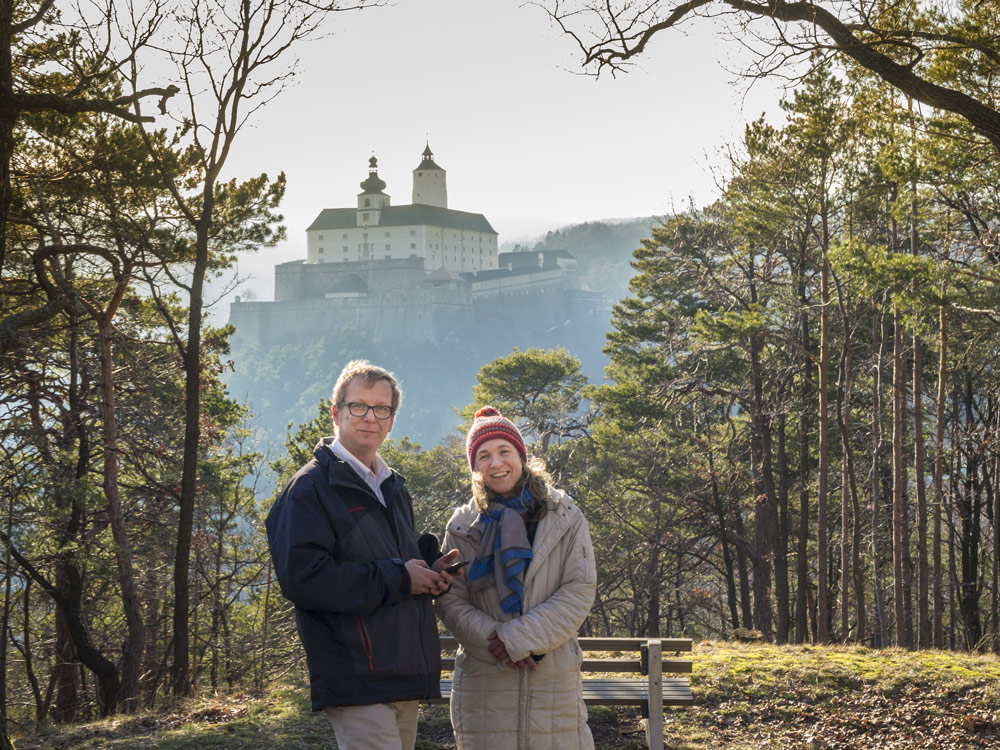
(603, 250)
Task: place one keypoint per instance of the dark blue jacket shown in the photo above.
(339, 557)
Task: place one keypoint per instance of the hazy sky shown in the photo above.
(497, 91)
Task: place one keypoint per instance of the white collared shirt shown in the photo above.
(373, 479)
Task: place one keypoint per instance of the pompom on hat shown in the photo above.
(489, 424)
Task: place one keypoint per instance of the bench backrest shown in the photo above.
(637, 662)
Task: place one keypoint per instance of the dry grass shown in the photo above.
(748, 697)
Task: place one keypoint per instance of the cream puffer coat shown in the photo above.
(501, 708)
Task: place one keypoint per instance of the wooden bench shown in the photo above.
(646, 658)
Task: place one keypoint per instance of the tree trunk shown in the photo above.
(923, 630)
(853, 570)
(844, 421)
(8, 117)
(5, 623)
(856, 558)
(970, 504)
(878, 340)
(262, 673)
(822, 594)
(898, 481)
(653, 592)
(109, 681)
(23, 644)
(781, 590)
(151, 666)
(742, 567)
(954, 485)
(802, 550)
(765, 516)
(942, 396)
(67, 696)
(135, 645)
(995, 583)
(181, 678)
(727, 557)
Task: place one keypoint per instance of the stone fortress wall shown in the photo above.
(395, 299)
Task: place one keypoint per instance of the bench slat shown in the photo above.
(618, 692)
(448, 643)
(633, 644)
(675, 666)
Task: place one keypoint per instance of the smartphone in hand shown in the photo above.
(455, 567)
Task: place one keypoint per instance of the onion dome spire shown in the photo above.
(374, 184)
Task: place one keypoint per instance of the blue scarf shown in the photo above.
(504, 540)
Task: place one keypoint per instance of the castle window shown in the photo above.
(345, 248)
(387, 234)
(321, 237)
(388, 257)
(413, 232)
(388, 247)
(344, 236)
(413, 246)
(368, 204)
(364, 217)
(320, 250)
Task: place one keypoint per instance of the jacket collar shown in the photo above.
(551, 529)
(339, 474)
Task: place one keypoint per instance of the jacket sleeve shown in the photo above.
(302, 541)
(557, 619)
(469, 624)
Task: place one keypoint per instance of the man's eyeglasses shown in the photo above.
(360, 410)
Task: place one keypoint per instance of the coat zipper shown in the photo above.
(368, 645)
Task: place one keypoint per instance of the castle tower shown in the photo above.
(429, 186)
(372, 200)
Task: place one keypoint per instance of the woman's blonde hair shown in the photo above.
(534, 476)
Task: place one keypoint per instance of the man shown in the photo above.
(346, 555)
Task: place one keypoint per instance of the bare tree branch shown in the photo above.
(623, 30)
(63, 105)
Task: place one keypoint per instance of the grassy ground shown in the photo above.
(747, 697)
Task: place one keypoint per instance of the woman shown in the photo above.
(517, 610)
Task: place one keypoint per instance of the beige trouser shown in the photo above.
(378, 726)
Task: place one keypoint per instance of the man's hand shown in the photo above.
(423, 580)
(443, 562)
(499, 651)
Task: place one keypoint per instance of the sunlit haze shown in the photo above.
(526, 138)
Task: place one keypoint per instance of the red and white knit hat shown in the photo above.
(489, 424)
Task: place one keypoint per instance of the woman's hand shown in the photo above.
(499, 651)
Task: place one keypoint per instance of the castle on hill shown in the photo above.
(417, 272)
